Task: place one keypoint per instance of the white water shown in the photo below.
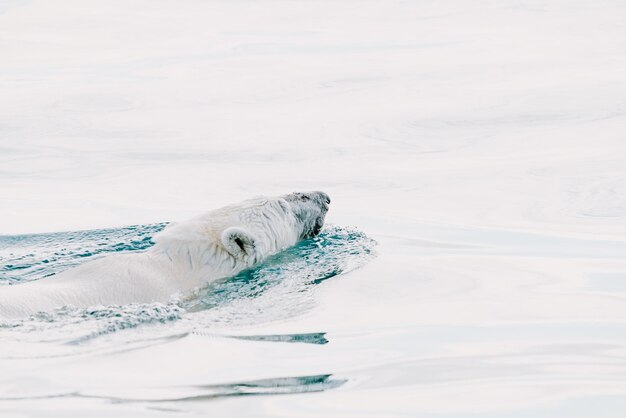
(481, 143)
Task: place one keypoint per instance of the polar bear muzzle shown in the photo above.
(305, 210)
(310, 209)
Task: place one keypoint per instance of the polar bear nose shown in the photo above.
(324, 197)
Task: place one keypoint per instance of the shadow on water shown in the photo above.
(276, 386)
(273, 386)
(318, 338)
(310, 338)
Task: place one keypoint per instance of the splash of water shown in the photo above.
(277, 288)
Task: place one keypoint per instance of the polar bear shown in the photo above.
(186, 255)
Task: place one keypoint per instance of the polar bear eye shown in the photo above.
(305, 197)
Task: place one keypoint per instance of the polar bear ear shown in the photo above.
(238, 242)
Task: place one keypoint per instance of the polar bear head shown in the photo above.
(310, 210)
(240, 235)
(266, 225)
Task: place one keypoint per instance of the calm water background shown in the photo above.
(481, 144)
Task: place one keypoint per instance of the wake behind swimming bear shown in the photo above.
(186, 255)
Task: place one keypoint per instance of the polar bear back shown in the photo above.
(111, 280)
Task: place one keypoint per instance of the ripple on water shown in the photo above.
(273, 386)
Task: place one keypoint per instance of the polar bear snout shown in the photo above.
(323, 200)
(323, 197)
(310, 209)
(319, 199)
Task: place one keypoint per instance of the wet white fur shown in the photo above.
(215, 245)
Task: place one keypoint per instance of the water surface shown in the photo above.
(479, 143)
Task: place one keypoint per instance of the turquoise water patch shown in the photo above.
(31, 257)
(335, 251)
